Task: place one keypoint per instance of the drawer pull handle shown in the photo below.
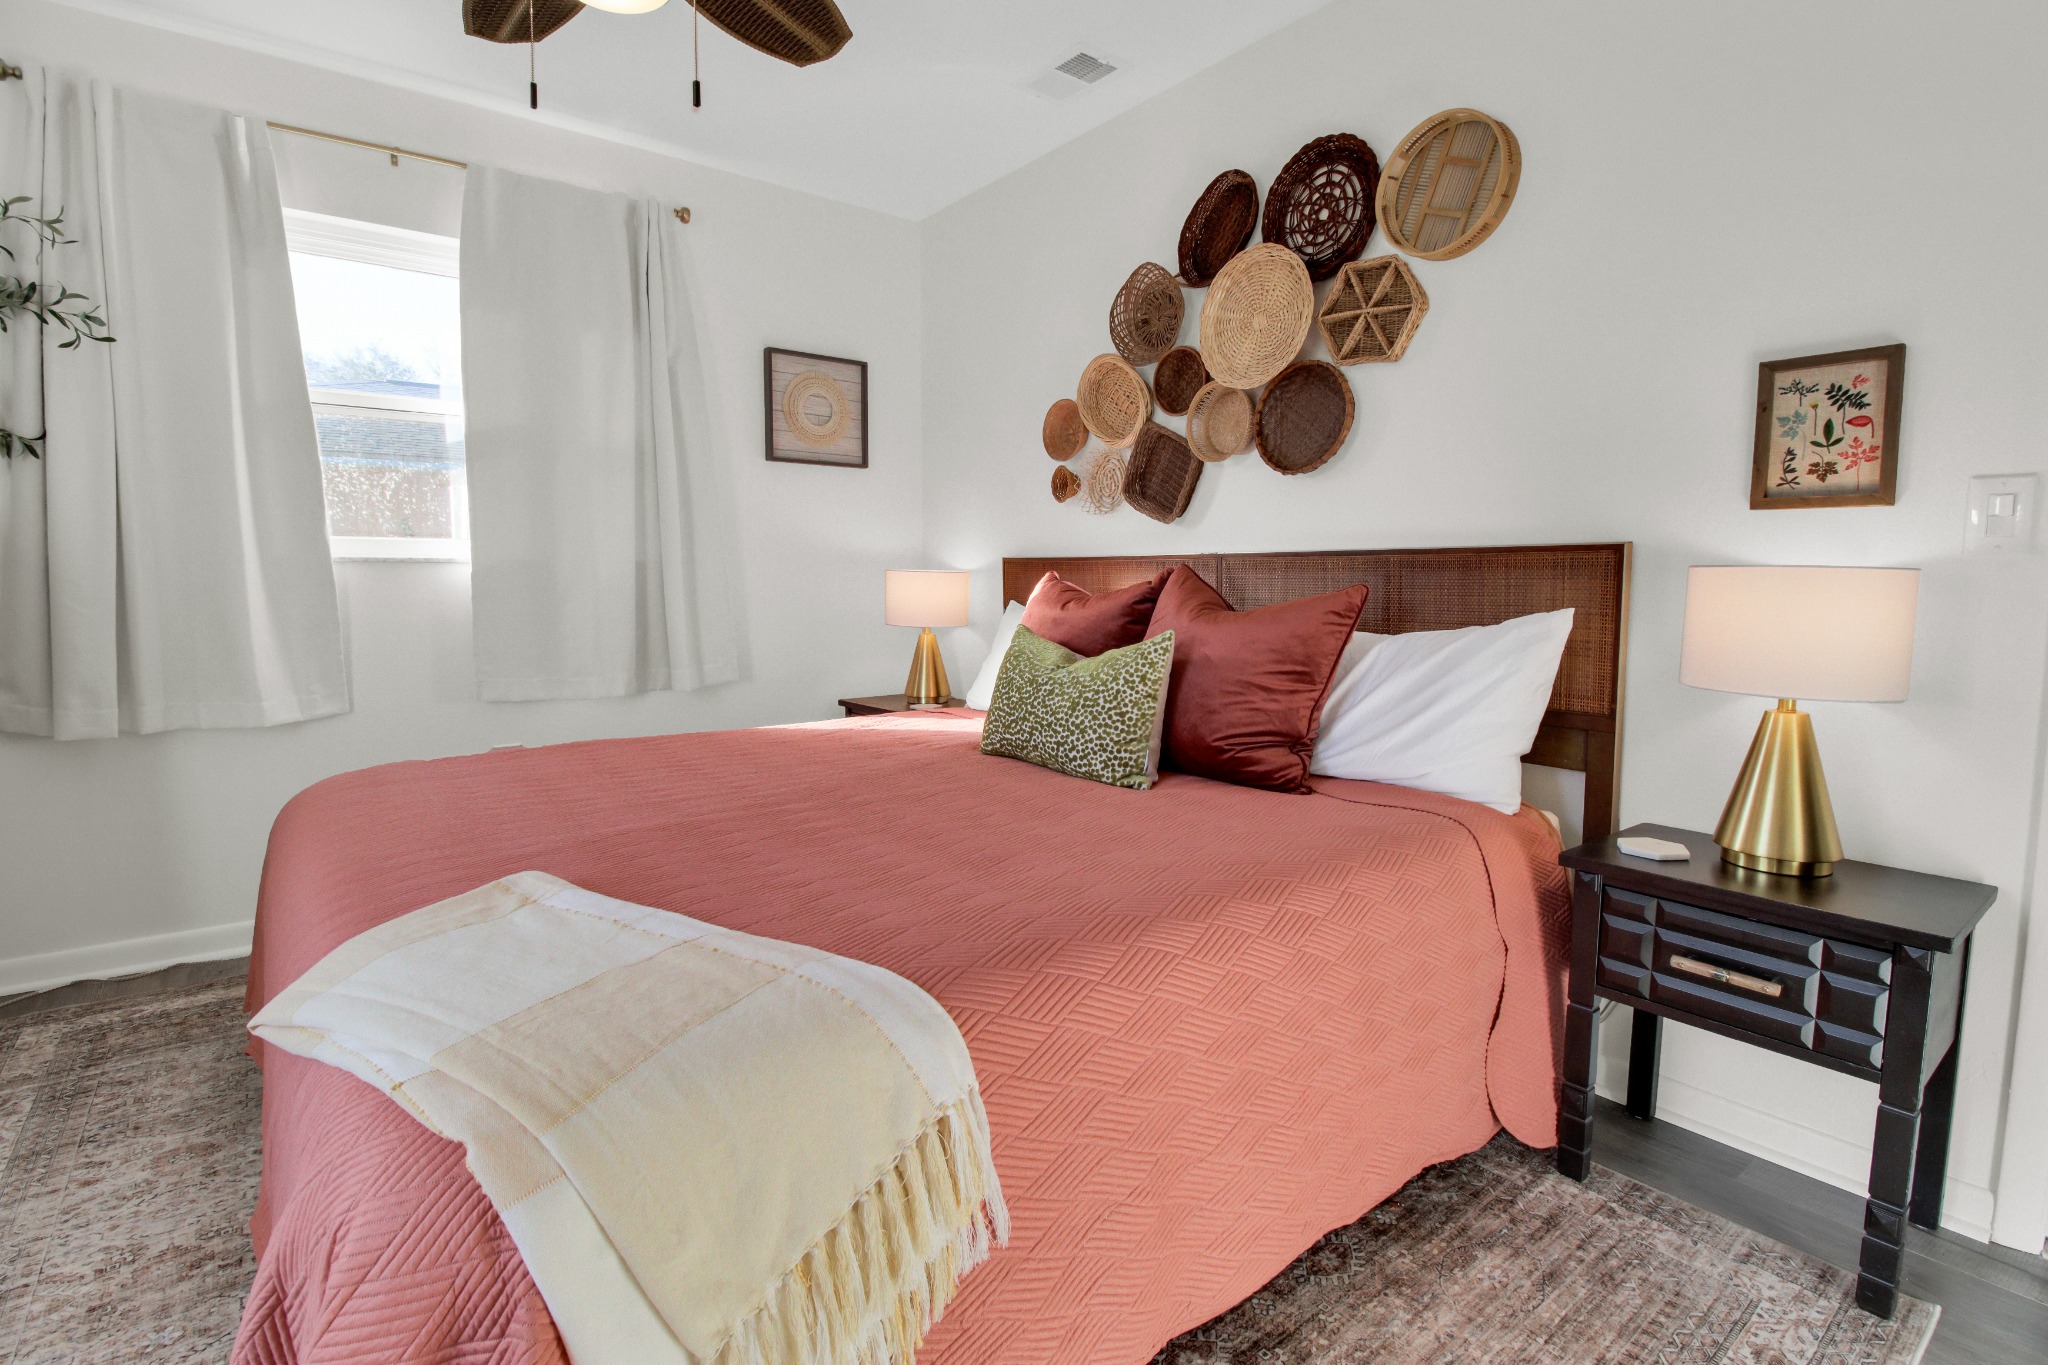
(1692, 966)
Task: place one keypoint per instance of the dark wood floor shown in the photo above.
(1994, 1302)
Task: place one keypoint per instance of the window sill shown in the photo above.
(399, 547)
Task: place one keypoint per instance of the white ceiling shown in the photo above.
(925, 105)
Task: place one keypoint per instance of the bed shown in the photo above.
(1210, 1023)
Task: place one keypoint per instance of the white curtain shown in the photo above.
(164, 564)
(600, 504)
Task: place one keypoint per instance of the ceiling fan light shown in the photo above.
(626, 6)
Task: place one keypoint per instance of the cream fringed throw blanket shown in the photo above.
(710, 1148)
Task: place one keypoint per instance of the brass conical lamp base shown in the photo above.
(927, 684)
(1779, 818)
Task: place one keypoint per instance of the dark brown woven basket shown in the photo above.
(1064, 433)
(1144, 318)
(1178, 379)
(1304, 417)
(1065, 483)
(1321, 204)
(1217, 227)
(1162, 474)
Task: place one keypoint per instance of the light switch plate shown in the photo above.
(2002, 514)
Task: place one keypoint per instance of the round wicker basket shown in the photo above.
(1373, 311)
(1065, 483)
(1144, 318)
(1113, 400)
(1102, 486)
(1217, 227)
(1064, 433)
(1304, 417)
(1219, 422)
(1449, 184)
(1179, 375)
(1162, 474)
(1321, 204)
(1256, 316)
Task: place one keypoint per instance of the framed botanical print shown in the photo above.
(1827, 429)
(817, 408)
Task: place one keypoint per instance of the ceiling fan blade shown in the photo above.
(799, 32)
(504, 21)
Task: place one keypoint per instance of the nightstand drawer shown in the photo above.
(1797, 988)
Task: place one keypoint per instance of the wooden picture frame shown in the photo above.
(814, 408)
(1827, 429)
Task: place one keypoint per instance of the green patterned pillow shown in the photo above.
(1096, 718)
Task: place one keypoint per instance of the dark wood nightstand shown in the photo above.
(1862, 972)
(885, 705)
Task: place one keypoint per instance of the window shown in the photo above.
(381, 327)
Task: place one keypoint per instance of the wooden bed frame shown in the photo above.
(1440, 590)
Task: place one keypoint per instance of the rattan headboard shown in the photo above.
(1442, 590)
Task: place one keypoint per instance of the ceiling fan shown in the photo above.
(799, 32)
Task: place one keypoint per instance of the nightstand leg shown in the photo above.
(1644, 1044)
(1581, 1034)
(1898, 1129)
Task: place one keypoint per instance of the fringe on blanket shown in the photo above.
(870, 1288)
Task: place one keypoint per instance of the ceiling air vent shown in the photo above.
(1071, 76)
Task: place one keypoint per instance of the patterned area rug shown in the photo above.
(126, 1181)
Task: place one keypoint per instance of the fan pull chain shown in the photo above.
(696, 60)
(532, 59)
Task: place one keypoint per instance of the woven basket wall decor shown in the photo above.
(1144, 318)
(1449, 184)
(1113, 399)
(1304, 417)
(1162, 474)
(1179, 375)
(1373, 311)
(1217, 227)
(1320, 206)
(1065, 483)
(1064, 433)
(1257, 315)
(1219, 422)
(1102, 486)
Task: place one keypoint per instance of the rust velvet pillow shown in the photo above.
(1092, 623)
(1248, 686)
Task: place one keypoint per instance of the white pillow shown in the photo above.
(1449, 711)
(984, 689)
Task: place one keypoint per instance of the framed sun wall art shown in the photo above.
(817, 408)
(1827, 429)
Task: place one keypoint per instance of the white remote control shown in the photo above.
(1658, 850)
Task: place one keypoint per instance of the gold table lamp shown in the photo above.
(926, 598)
(1824, 634)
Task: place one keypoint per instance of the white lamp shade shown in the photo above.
(626, 6)
(1808, 633)
(926, 597)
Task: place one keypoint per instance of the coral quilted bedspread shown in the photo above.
(1210, 1023)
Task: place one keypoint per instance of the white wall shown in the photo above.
(160, 838)
(1706, 187)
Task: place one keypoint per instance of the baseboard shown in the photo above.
(1824, 1156)
(20, 975)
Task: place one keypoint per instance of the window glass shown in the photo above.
(383, 356)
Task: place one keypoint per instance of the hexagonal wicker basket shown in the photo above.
(1321, 204)
(1257, 315)
(1179, 375)
(1220, 422)
(1304, 417)
(1162, 474)
(1449, 184)
(1113, 399)
(1144, 318)
(1065, 484)
(1373, 311)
